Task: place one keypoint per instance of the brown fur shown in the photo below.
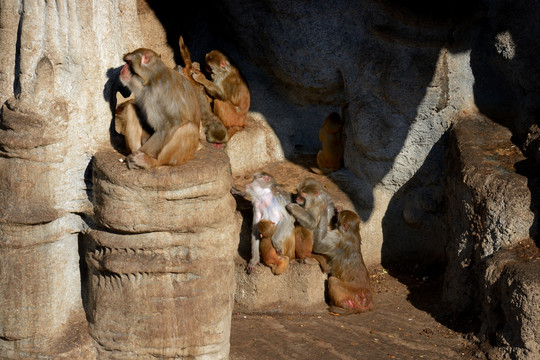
(228, 89)
(168, 104)
(277, 263)
(348, 287)
(313, 209)
(215, 132)
(126, 122)
(330, 157)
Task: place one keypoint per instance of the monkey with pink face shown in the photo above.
(268, 201)
(164, 100)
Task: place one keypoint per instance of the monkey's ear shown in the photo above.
(146, 57)
(345, 226)
(224, 64)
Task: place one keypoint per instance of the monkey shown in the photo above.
(126, 122)
(330, 157)
(168, 103)
(303, 242)
(214, 130)
(313, 209)
(348, 285)
(228, 89)
(268, 200)
(277, 263)
(303, 248)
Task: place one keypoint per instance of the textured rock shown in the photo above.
(490, 207)
(487, 200)
(160, 280)
(262, 142)
(300, 289)
(54, 90)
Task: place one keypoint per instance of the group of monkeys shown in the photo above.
(287, 226)
(162, 124)
(174, 110)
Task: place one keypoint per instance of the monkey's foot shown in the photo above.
(138, 160)
(251, 266)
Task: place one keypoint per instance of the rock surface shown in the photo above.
(54, 89)
(489, 203)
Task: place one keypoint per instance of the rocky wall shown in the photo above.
(489, 205)
(55, 68)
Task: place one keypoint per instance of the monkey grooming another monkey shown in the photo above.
(276, 262)
(229, 90)
(167, 102)
(330, 157)
(214, 130)
(348, 286)
(313, 209)
(268, 201)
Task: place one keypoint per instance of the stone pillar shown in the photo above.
(56, 65)
(161, 270)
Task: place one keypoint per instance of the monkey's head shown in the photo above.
(261, 181)
(307, 192)
(348, 221)
(332, 124)
(266, 228)
(139, 69)
(217, 63)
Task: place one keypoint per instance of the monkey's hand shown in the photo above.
(196, 67)
(302, 216)
(198, 77)
(292, 207)
(251, 265)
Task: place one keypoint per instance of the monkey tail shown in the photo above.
(186, 56)
(318, 171)
(341, 311)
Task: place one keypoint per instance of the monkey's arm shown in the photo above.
(255, 241)
(255, 244)
(212, 89)
(284, 229)
(329, 245)
(302, 216)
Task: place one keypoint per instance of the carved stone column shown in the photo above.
(161, 279)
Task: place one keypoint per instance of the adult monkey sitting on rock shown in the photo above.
(167, 102)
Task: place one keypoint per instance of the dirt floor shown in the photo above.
(408, 323)
(396, 329)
